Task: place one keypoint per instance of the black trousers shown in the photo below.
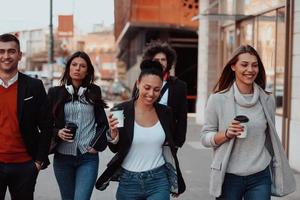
(19, 178)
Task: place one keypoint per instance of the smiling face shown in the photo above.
(149, 88)
(10, 55)
(78, 69)
(246, 70)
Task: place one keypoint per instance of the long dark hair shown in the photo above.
(92, 95)
(228, 76)
(66, 79)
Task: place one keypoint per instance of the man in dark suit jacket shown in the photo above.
(174, 90)
(25, 124)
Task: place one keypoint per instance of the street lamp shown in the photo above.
(51, 46)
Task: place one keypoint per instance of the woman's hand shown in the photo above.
(113, 122)
(174, 195)
(234, 129)
(65, 134)
(92, 150)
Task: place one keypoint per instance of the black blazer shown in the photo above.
(58, 96)
(34, 117)
(178, 102)
(125, 140)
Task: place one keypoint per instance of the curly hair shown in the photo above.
(157, 46)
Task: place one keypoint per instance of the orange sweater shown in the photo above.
(12, 148)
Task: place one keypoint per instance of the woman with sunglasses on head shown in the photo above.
(77, 101)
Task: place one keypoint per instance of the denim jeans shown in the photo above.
(255, 186)
(76, 175)
(20, 178)
(148, 185)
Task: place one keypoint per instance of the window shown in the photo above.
(280, 60)
(266, 37)
(266, 33)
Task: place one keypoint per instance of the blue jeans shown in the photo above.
(76, 175)
(255, 186)
(148, 185)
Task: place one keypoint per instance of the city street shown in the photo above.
(245, 50)
(194, 160)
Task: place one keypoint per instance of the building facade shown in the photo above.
(273, 28)
(138, 22)
(100, 46)
(34, 45)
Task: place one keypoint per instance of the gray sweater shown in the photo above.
(246, 160)
(218, 114)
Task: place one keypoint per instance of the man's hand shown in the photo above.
(38, 165)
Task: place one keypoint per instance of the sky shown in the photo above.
(18, 15)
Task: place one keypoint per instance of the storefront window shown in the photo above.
(280, 60)
(266, 37)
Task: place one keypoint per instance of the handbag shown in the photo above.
(99, 143)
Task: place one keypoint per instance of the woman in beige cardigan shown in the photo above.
(251, 167)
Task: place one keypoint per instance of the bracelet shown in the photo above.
(228, 138)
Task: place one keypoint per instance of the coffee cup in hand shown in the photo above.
(243, 121)
(119, 115)
(72, 130)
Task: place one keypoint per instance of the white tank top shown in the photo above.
(145, 152)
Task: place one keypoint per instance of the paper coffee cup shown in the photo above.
(72, 127)
(244, 133)
(120, 117)
(243, 121)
